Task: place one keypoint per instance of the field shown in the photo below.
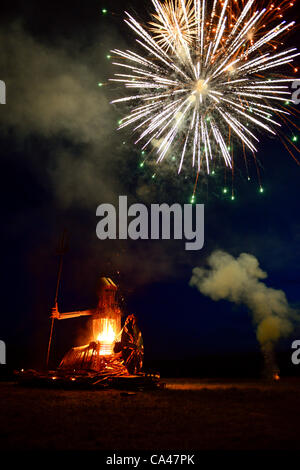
(188, 414)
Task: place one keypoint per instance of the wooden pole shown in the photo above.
(61, 252)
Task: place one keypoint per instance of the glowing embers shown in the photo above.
(107, 336)
(90, 359)
(106, 349)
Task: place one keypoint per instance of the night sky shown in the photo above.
(61, 157)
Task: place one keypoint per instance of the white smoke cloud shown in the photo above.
(239, 280)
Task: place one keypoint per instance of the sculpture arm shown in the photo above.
(63, 316)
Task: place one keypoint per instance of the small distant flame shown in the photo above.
(106, 337)
(276, 377)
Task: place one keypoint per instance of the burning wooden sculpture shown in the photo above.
(113, 351)
(113, 358)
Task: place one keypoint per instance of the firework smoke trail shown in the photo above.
(206, 76)
(239, 280)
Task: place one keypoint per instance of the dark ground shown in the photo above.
(189, 414)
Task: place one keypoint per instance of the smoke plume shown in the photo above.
(239, 280)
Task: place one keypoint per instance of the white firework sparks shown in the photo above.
(174, 23)
(206, 76)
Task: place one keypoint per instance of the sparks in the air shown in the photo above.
(210, 74)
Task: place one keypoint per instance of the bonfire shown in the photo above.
(114, 355)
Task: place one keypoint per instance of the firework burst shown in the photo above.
(173, 24)
(208, 76)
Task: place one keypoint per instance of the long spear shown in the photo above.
(61, 251)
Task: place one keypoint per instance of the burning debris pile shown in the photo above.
(110, 354)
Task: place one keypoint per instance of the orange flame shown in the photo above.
(106, 337)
